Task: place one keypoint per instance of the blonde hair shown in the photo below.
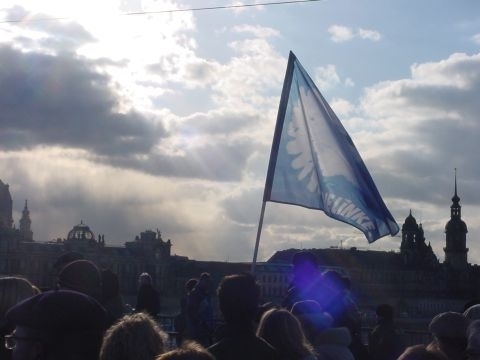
(189, 350)
(284, 332)
(133, 337)
(13, 289)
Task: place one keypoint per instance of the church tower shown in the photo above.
(456, 235)
(409, 232)
(413, 249)
(25, 224)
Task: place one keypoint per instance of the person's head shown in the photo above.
(65, 259)
(473, 340)
(57, 325)
(384, 312)
(189, 350)
(190, 285)
(82, 276)
(305, 266)
(472, 312)
(420, 352)
(238, 297)
(145, 279)
(283, 331)
(204, 282)
(312, 317)
(133, 337)
(449, 331)
(334, 280)
(13, 289)
(263, 308)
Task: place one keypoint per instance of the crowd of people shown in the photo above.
(83, 317)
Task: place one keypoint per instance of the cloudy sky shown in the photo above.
(130, 115)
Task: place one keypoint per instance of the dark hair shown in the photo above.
(284, 332)
(238, 297)
(190, 284)
(66, 258)
(82, 276)
(136, 336)
(204, 275)
(189, 350)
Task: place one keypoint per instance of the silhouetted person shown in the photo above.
(57, 325)
(307, 280)
(112, 300)
(281, 329)
(472, 312)
(200, 312)
(449, 331)
(13, 289)
(473, 340)
(180, 321)
(82, 276)
(148, 298)
(339, 303)
(134, 337)
(385, 342)
(238, 297)
(65, 259)
(330, 343)
(189, 350)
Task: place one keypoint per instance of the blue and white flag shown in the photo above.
(315, 164)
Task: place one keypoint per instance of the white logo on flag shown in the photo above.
(312, 125)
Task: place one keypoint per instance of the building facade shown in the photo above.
(412, 278)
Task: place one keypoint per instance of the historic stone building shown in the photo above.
(20, 254)
(412, 278)
(6, 220)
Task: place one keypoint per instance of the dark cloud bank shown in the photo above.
(62, 101)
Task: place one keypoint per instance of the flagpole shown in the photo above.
(274, 151)
(257, 242)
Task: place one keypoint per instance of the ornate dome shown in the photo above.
(456, 224)
(410, 223)
(81, 232)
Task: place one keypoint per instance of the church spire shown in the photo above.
(456, 182)
(455, 209)
(25, 224)
(456, 235)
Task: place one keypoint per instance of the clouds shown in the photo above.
(76, 102)
(426, 126)
(411, 132)
(136, 122)
(48, 100)
(35, 32)
(257, 31)
(327, 76)
(340, 33)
